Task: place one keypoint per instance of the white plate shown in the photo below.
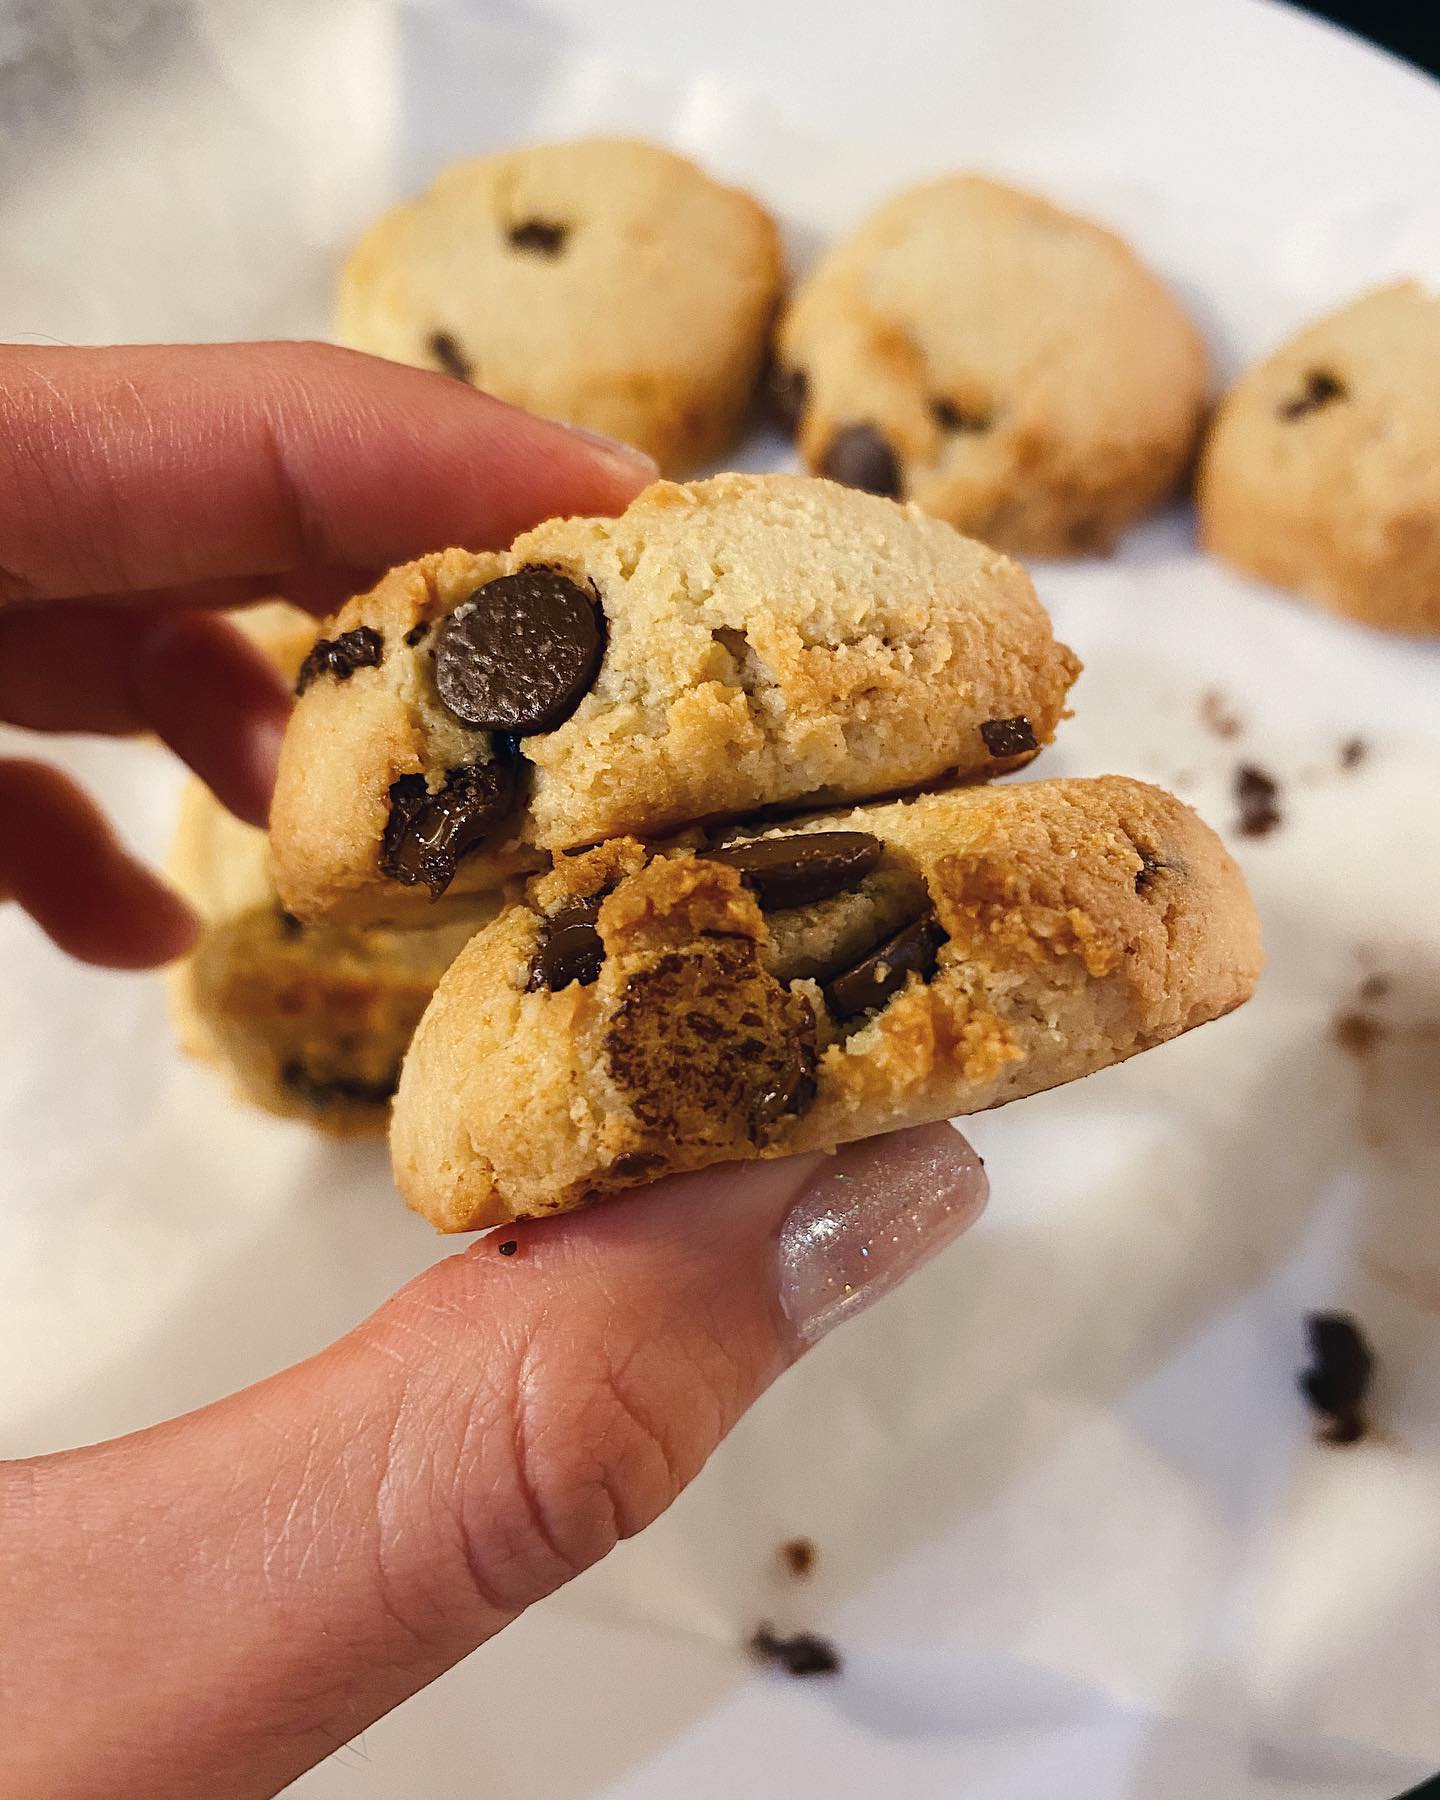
(1074, 1534)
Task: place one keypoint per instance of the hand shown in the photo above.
(212, 1605)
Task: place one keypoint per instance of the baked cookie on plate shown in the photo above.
(607, 283)
(1006, 365)
(1322, 470)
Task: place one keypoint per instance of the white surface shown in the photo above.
(1074, 1534)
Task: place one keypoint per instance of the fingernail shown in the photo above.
(633, 461)
(871, 1215)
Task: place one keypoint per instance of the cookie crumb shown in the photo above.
(802, 1654)
(508, 1247)
(798, 1555)
(1321, 387)
(541, 237)
(1217, 715)
(1375, 987)
(1257, 795)
(1356, 1032)
(1353, 752)
(1338, 1379)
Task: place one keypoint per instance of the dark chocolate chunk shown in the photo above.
(1258, 797)
(321, 1091)
(570, 948)
(860, 457)
(798, 1556)
(427, 834)
(521, 653)
(341, 656)
(450, 356)
(1009, 737)
(876, 977)
(1150, 866)
(793, 871)
(802, 1654)
(1338, 1380)
(950, 417)
(540, 237)
(1321, 387)
(508, 1247)
(788, 391)
(789, 1086)
(417, 633)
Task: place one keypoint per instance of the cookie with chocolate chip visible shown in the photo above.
(1322, 471)
(811, 983)
(737, 644)
(607, 282)
(1008, 366)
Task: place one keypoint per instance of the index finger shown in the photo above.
(159, 466)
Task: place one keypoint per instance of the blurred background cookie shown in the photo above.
(608, 283)
(1009, 366)
(1322, 471)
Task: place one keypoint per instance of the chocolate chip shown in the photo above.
(451, 358)
(1150, 866)
(950, 417)
(1009, 737)
(634, 1165)
(1258, 797)
(860, 457)
(417, 633)
(802, 1654)
(341, 657)
(321, 1091)
(789, 1086)
(427, 834)
(541, 237)
(508, 1247)
(1338, 1379)
(1321, 387)
(915, 947)
(570, 948)
(788, 391)
(521, 653)
(290, 926)
(794, 871)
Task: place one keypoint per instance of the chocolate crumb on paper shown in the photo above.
(1353, 752)
(1357, 1032)
(1257, 794)
(1217, 714)
(1338, 1380)
(802, 1654)
(798, 1557)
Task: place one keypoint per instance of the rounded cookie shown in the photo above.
(1322, 470)
(642, 1014)
(1009, 366)
(607, 283)
(753, 641)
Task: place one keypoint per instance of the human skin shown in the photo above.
(214, 1604)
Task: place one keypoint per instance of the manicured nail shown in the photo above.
(633, 461)
(872, 1214)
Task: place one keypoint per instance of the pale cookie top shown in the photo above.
(1011, 367)
(1322, 471)
(608, 283)
(736, 644)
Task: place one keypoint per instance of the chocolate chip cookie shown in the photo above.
(1009, 366)
(645, 1011)
(742, 643)
(306, 1021)
(1322, 471)
(607, 283)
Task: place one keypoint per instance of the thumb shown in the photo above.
(249, 1586)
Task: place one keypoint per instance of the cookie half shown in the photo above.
(607, 283)
(742, 643)
(643, 1014)
(1009, 366)
(1322, 472)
